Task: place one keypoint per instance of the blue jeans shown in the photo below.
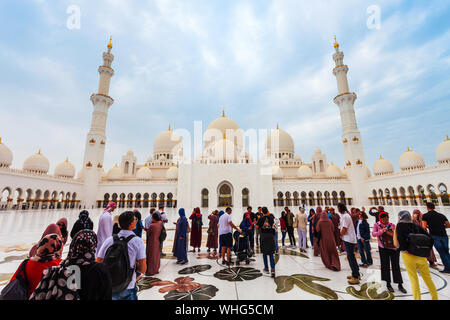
(128, 294)
(283, 233)
(350, 250)
(364, 251)
(441, 245)
(272, 261)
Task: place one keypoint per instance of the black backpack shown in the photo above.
(163, 234)
(420, 242)
(18, 288)
(117, 262)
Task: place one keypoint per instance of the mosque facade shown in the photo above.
(223, 173)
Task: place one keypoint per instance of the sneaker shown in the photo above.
(266, 270)
(353, 280)
(179, 261)
(184, 262)
(272, 274)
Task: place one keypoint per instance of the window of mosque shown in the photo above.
(225, 197)
(423, 197)
(433, 196)
(412, 196)
(444, 194)
(245, 199)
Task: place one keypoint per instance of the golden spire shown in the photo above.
(223, 112)
(115, 166)
(67, 159)
(408, 150)
(39, 151)
(278, 127)
(1, 140)
(445, 139)
(169, 126)
(110, 43)
(224, 135)
(336, 44)
(381, 158)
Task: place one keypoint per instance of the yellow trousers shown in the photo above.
(414, 263)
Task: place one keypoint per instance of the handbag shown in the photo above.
(163, 234)
(419, 243)
(18, 288)
(387, 241)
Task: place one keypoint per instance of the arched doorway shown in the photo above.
(225, 195)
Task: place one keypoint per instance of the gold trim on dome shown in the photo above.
(381, 157)
(223, 112)
(39, 151)
(408, 150)
(67, 159)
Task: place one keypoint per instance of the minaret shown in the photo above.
(351, 137)
(96, 139)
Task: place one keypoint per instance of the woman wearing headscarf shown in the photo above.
(153, 245)
(116, 227)
(62, 224)
(328, 251)
(389, 254)
(213, 231)
(311, 230)
(283, 228)
(196, 229)
(265, 224)
(51, 229)
(316, 235)
(95, 280)
(83, 223)
(417, 220)
(48, 254)
(335, 219)
(413, 263)
(139, 226)
(180, 250)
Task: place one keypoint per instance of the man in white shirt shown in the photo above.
(348, 235)
(105, 225)
(226, 227)
(136, 254)
(148, 220)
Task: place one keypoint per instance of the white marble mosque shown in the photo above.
(223, 174)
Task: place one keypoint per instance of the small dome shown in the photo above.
(167, 142)
(65, 169)
(304, 172)
(224, 150)
(298, 158)
(382, 166)
(277, 173)
(283, 139)
(144, 173)
(130, 153)
(317, 151)
(333, 172)
(411, 160)
(172, 173)
(150, 159)
(442, 152)
(115, 173)
(37, 163)
(6, 155)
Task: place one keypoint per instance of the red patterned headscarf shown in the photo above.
(49, 248)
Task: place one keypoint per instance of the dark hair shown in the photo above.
(156, 217)
(380, 208)
(152, 210)
(126, 219)
(364, 215)
(249, 208)
(430, 205)
(161, 206)
(312, 211)
(227, 209)
(265, 210)
(138, 215)
(383, 215)
(259, 207)
(282, 214)
(341, 207)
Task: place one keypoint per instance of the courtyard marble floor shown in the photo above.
(298, 277)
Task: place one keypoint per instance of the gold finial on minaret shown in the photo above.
(336, 44)
(408, 150)
(110, 43)
(445, 139)
(1, 140)
(39, 151)
(67, 159)
(278, 127)
(169, 126)
(223, 112)
(381, 158)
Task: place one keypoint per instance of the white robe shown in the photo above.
(105, 229)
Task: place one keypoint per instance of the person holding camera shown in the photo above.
(389, 254)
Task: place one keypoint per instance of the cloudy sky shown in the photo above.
(265, 61)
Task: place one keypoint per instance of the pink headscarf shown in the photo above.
(51, 229)
(111, 205)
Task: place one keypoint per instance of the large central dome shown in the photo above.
(218, 129)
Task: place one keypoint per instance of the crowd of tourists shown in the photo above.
(112, 260)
